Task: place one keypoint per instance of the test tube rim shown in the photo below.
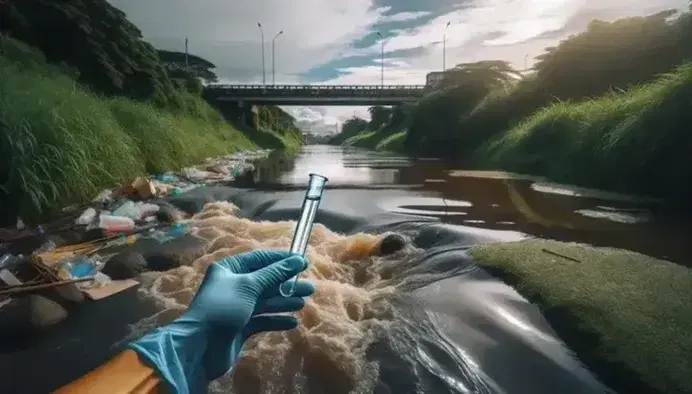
(319, 176)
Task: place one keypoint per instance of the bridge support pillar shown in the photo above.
(247, 115)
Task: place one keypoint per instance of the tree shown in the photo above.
(175, 64)
(434, 127)
(379, 117)
(486, 74)
(354, 125)
(398, 118)
(610, 55)
(96, 39)
(351, 127)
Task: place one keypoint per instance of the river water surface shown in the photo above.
(493, 200)
(425, 319)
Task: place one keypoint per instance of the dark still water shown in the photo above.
(529, 206)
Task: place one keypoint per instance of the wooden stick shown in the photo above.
(560, 255)
(28, 288)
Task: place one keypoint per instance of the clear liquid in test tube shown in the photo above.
(313, 196)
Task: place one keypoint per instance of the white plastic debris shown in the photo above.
(86, 217)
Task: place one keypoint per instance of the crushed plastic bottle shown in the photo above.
(129, 210)
(86, 217)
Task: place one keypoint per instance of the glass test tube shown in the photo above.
(313, 196)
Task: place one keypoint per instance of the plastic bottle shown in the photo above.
(7, 260)
(117, 224)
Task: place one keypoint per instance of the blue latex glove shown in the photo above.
(229, 307)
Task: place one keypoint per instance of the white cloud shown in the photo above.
(226, 32)
(404, 16)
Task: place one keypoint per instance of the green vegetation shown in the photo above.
(382, 132)
(615, 98)
(85, 103)
(627, 316)
(61, 144)
(637, 141)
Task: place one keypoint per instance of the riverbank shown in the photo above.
(632, 141)
(577, 116)
(62, 144)
(628, 316)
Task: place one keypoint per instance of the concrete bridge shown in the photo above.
(314, 94)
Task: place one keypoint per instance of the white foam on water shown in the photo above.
(346, 314)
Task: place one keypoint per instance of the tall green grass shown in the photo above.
(637, 140)
(60, 144)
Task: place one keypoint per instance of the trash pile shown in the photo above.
(68, 254)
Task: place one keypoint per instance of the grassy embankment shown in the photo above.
(378, 140)
(633, 141)
(627, 316)
(62, 144)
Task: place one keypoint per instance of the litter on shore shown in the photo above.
(68, 254)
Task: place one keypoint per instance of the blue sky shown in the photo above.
(335, 41)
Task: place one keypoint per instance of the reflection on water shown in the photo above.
(491, 200)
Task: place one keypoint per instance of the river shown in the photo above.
(527, 206)
(425, 319)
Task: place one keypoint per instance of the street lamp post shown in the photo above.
(273, 57)
(264, 73)
(381, 61)
(444, 48)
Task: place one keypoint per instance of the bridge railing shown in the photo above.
(314, 91)
(313, 87)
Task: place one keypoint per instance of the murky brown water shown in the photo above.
(495, 200)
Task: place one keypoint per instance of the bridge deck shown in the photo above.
(316, 94)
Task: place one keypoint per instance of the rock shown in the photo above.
(391, 243)
(169, 214)
(94, 234)
(161, 262)
(125, 265)
(45, 312)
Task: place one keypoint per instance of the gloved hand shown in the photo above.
(229, 307)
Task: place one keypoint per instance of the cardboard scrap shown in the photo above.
(144, 187)
(113, 287)
(141, 187)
